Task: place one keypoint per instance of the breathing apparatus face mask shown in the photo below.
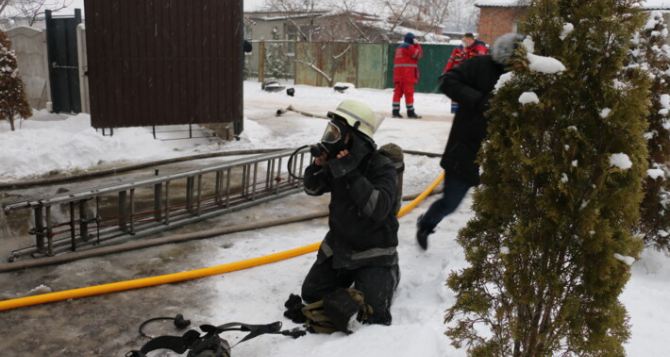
(333, 140)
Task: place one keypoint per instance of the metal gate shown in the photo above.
(63, 62)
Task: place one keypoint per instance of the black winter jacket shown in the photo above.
(362, 221)
(470, 85)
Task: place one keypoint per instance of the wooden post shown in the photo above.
(261, 61)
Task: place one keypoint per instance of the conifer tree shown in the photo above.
(651, 54)
(12, 96)
(552, 240)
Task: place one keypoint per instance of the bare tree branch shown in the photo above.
(315, 68)
(31, 9)
(3, 5)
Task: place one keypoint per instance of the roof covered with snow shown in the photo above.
(648, 4)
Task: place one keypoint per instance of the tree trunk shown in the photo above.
(11, 122)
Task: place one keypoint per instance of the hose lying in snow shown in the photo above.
(421, 153)
(118, 170)
(187, 275)
(290, 108)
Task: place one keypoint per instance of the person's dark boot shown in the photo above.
(396, 113)
(412, 114)
(422, 234)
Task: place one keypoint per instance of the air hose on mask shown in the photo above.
(292, 158)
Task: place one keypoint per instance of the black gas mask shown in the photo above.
(333, 140)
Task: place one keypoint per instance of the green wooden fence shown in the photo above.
(430, 66)
(365, 65)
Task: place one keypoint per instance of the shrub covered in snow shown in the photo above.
(651, 53)
(553, 236)
(12, 96)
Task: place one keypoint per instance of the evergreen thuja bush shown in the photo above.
(651, 54)
(552, 240)
(12, 96)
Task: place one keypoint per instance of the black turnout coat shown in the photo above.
(470, 85)
(362, 219)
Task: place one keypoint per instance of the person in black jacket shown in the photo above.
(360, 246)
(471, 85)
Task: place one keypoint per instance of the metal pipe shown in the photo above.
(72, 231)
(58, 180)
(49, 232)
(156, 242)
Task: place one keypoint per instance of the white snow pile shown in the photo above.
(529, 44)
(624, 258)
(503, 80)
(43, 146)
(621, 161)
(655, 174)
(541, 64)
(653, 20)
(567, 30)
(564, 178)
(529, 98)
(605, 113)
(39, 290)
(665, 103)
(546, 65)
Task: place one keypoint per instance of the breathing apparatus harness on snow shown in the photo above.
(210, 344)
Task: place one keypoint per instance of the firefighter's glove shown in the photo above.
(345, 166)
(294, 307)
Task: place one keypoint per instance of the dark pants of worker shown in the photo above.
(377, 283)
(455, 190)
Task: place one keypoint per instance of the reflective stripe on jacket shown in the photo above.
(405, 63)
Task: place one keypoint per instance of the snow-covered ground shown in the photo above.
(50, 143)
(257, 295)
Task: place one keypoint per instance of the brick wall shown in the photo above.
(496, 21)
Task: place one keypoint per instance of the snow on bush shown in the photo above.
(624, 258)
(655, 173)
(605, 113)
(547, 65)
(529, 98)
(564, 178)
(503, 80)
(529, 44)
(567, 30)
(621, 161)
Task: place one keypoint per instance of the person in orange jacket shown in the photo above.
(406, 75)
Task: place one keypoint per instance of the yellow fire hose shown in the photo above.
(187, 275)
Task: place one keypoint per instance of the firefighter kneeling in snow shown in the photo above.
(359, 250)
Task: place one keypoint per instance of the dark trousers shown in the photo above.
(377, 283)
(455, 190)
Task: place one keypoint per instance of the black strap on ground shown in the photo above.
(192, 339)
